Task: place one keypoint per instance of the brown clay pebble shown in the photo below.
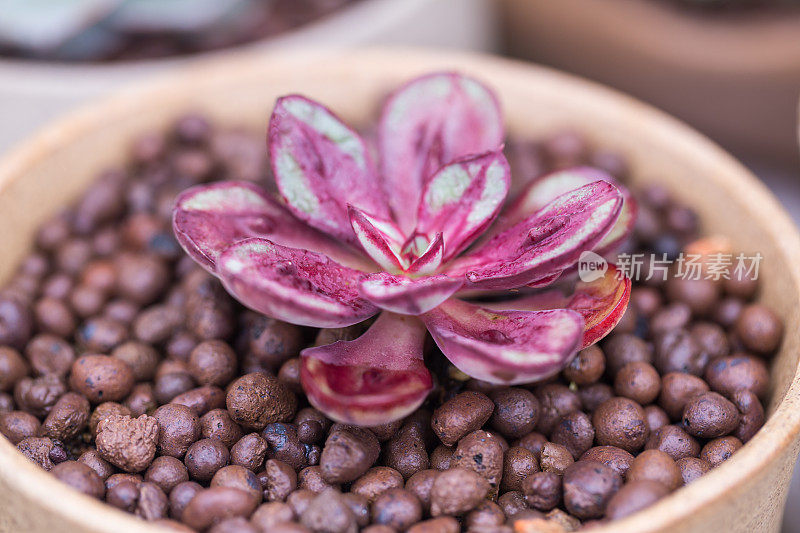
(518, 464)
(593, 395)
(216, 504)
(284, 445)
(638, 381)
(202, 399)
(101, 378)
(166, 472)
(673, 316)
(655, 465)
(633, 497)
(377, 480)
(760, 329)
(655, 417)
(620, 422)
(460, 415)
(720, 450)
(180, 496)
(515, 412)
(38, 395)
(152, 504)
(272, 342)
(486, 515)
(443, 524)
(555, 401)
(587, 487)
(68, 417)
(249, 452)
(677, 388)
(217, 424)
(406, 452)
(420, 484)
(441, 457)
(179, 427)
(48, 354)
(271, 514)
(615, 458)
(12, 368)
(328, 513)
(513, 502)
(349, 451)
(205, 457)
(533, 441)
(751, 414)
(677, 350)
(575, 432)
(587, 367)
(40, 450)
(457, 491)
(727, 375)
(397, 508)
(692, 468)
(233, 525)
(710, 415)
(480, 452)
(212, 363)
(128, 443)
(278, 480)
(123, 495)
(555, 458)
(140, 357)
(542, 490)
(674, 441)
(80, 477)
(311, 478)
(257, 399)
(624, 348)
(238, 477)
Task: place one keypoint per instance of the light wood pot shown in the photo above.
(734, 76)
(745, 494)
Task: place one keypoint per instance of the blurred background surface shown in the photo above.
(730, 68)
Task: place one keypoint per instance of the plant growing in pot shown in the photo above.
(242, 370)
(347, 241)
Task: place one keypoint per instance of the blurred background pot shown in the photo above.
(745, 494)
(32, 92)
(735, 75)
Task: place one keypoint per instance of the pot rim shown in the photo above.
(780, 430)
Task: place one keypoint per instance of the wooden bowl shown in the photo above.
(734, 76)
(745, 494)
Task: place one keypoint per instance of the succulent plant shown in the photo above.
(417, 238)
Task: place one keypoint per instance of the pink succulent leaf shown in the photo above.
(380, 239)
(321, 166)
(507, 347)
(378, 378)
(546, 188)
(428, 123)
(601, 303)
(463, 198)
(548, 241)
(408, 296)
(297, 286)
(208, 218)
(431, 258)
